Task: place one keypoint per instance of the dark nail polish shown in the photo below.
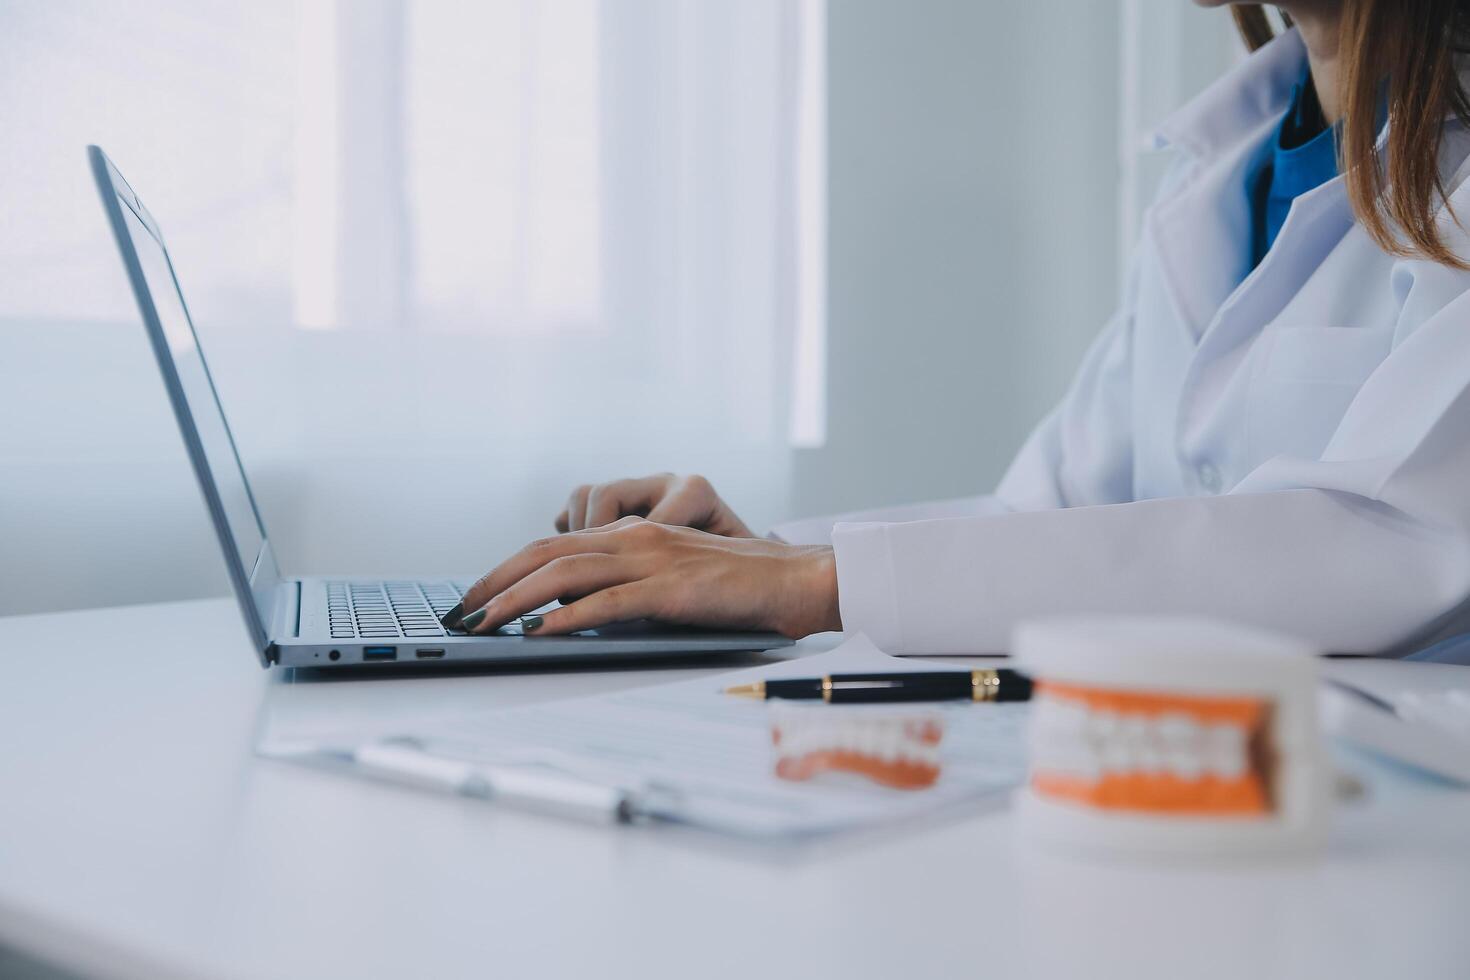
(528, 623)
(450, 620)
(472, 620)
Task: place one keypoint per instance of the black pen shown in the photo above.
(1000, 684)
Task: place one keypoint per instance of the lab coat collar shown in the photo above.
(1203, 231)
(1251, 94)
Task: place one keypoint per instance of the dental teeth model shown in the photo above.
(1148, 751)
(1168, 735)
(893, 747)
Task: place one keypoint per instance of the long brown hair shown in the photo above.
(1404, 49)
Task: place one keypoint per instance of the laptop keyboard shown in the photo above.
(373, 610)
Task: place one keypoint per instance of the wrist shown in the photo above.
(814, 593)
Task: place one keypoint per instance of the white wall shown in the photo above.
(98, 505)
(973, 187)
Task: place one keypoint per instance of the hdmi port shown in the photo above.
(429, 653)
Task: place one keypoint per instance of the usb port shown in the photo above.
(380, 653)
(429, 653)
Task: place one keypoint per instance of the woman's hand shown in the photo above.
(687, 501)
(637, 569)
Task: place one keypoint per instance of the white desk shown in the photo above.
(140, 837)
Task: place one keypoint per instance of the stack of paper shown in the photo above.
(687, 752)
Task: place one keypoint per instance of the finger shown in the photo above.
(561, 522)
(615, 604)
(680, 510)
(572, 596)
(577, 508)
(585, 573)
(690, 504)
(610, 501)
(532, 557)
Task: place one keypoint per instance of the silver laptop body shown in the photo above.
(327, 622)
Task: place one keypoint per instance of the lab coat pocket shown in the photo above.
(1304, 383)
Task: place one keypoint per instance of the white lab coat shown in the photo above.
(1288, 448)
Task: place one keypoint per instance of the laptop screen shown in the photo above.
(247, 552)
(198, 390)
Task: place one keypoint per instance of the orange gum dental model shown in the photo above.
(1157, 735)
(1152, 752)
(896, 749)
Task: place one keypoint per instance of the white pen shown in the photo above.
(403, 761)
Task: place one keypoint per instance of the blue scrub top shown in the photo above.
(1303, 155)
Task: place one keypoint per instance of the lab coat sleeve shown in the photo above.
(1355, 550)
(818, 530)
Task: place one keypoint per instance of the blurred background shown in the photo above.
(450, 259)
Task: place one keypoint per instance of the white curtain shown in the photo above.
(447, 261)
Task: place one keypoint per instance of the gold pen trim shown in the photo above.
(984, 685)
(827, 689)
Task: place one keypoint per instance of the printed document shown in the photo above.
(706, 758)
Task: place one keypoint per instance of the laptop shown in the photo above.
(341, 621)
